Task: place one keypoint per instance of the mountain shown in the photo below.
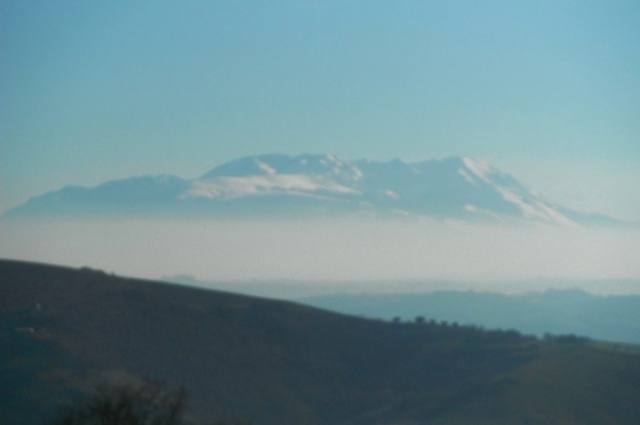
(64, 331)
(281, 185)
(572, 311)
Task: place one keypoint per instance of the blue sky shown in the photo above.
(546, 90)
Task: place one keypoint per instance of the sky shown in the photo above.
(548, 91)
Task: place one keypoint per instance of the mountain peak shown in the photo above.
(458, 187)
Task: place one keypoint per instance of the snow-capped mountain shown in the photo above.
(308, 175)
(267, 185)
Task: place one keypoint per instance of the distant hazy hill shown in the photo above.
(610, 318)
(64, 330)
(281, 185)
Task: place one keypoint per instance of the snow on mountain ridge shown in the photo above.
(396, 181)
(329, 165)
(479, 168)
(266, 167)
(236, 187)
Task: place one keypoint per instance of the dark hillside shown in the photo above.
(273, 362)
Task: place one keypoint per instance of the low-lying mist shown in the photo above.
(480, 257)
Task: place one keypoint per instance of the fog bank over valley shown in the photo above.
(342, 251)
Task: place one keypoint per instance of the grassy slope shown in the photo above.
(564, 384)
(64, 330)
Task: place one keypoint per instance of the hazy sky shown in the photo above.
(546, 90)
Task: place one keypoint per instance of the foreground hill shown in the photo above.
(459, 188)
(273, 362)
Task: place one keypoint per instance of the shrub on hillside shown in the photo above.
(144, 404)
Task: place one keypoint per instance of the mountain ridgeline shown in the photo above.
(310, 185)
(610, 318)
(272, 362)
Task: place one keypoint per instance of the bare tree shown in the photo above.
(145, 404)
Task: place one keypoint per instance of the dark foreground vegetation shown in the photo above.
(66, 332)
(145, 403)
